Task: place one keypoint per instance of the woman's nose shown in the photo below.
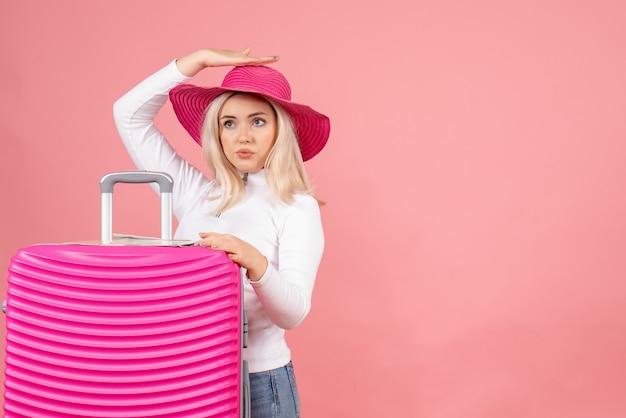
(244, 134)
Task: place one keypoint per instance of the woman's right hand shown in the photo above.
(191, 64)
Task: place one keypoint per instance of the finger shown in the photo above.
(262, 61)
(272, 58)
(269, 58)
(246, 51)
(204, 240)
(206, 243)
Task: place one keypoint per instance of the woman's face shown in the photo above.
(248, 130)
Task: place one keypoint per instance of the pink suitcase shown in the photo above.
(125, 331)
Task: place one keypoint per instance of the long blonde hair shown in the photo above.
(284, 167)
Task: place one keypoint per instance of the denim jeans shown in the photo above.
(273, 394)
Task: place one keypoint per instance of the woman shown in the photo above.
(258, 208)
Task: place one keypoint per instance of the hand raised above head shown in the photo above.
(219, 57)
(192, 63)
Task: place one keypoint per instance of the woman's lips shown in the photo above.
(244, 154)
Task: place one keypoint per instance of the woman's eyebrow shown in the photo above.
(257, 114)
(250, 115)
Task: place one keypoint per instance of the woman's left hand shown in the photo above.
(242, 253)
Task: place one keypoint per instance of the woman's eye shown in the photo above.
(258, 122)
(229, 124)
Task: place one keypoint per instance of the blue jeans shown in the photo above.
(273, 394)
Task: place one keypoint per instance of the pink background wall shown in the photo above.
(475, 177)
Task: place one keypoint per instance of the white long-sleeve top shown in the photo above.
(290, 236)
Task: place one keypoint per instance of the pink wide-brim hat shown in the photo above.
(190, 104)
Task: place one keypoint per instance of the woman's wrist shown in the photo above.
(255, 274)
(191, 64)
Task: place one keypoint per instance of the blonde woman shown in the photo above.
(258, 206)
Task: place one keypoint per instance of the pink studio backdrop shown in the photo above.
(475, 178)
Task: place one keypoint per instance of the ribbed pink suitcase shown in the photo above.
(124, 331)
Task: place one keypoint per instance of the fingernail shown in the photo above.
(213, 246)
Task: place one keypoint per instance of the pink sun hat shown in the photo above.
(190, 104)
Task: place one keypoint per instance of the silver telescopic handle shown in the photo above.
(108, 181)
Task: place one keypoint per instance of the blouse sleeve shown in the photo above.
(134, 115)
(286, 293)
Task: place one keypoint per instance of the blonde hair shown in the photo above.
(284, 167)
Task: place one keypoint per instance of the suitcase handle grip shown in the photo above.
(165, 181)
(107, 183)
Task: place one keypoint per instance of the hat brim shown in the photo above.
(190, 104)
